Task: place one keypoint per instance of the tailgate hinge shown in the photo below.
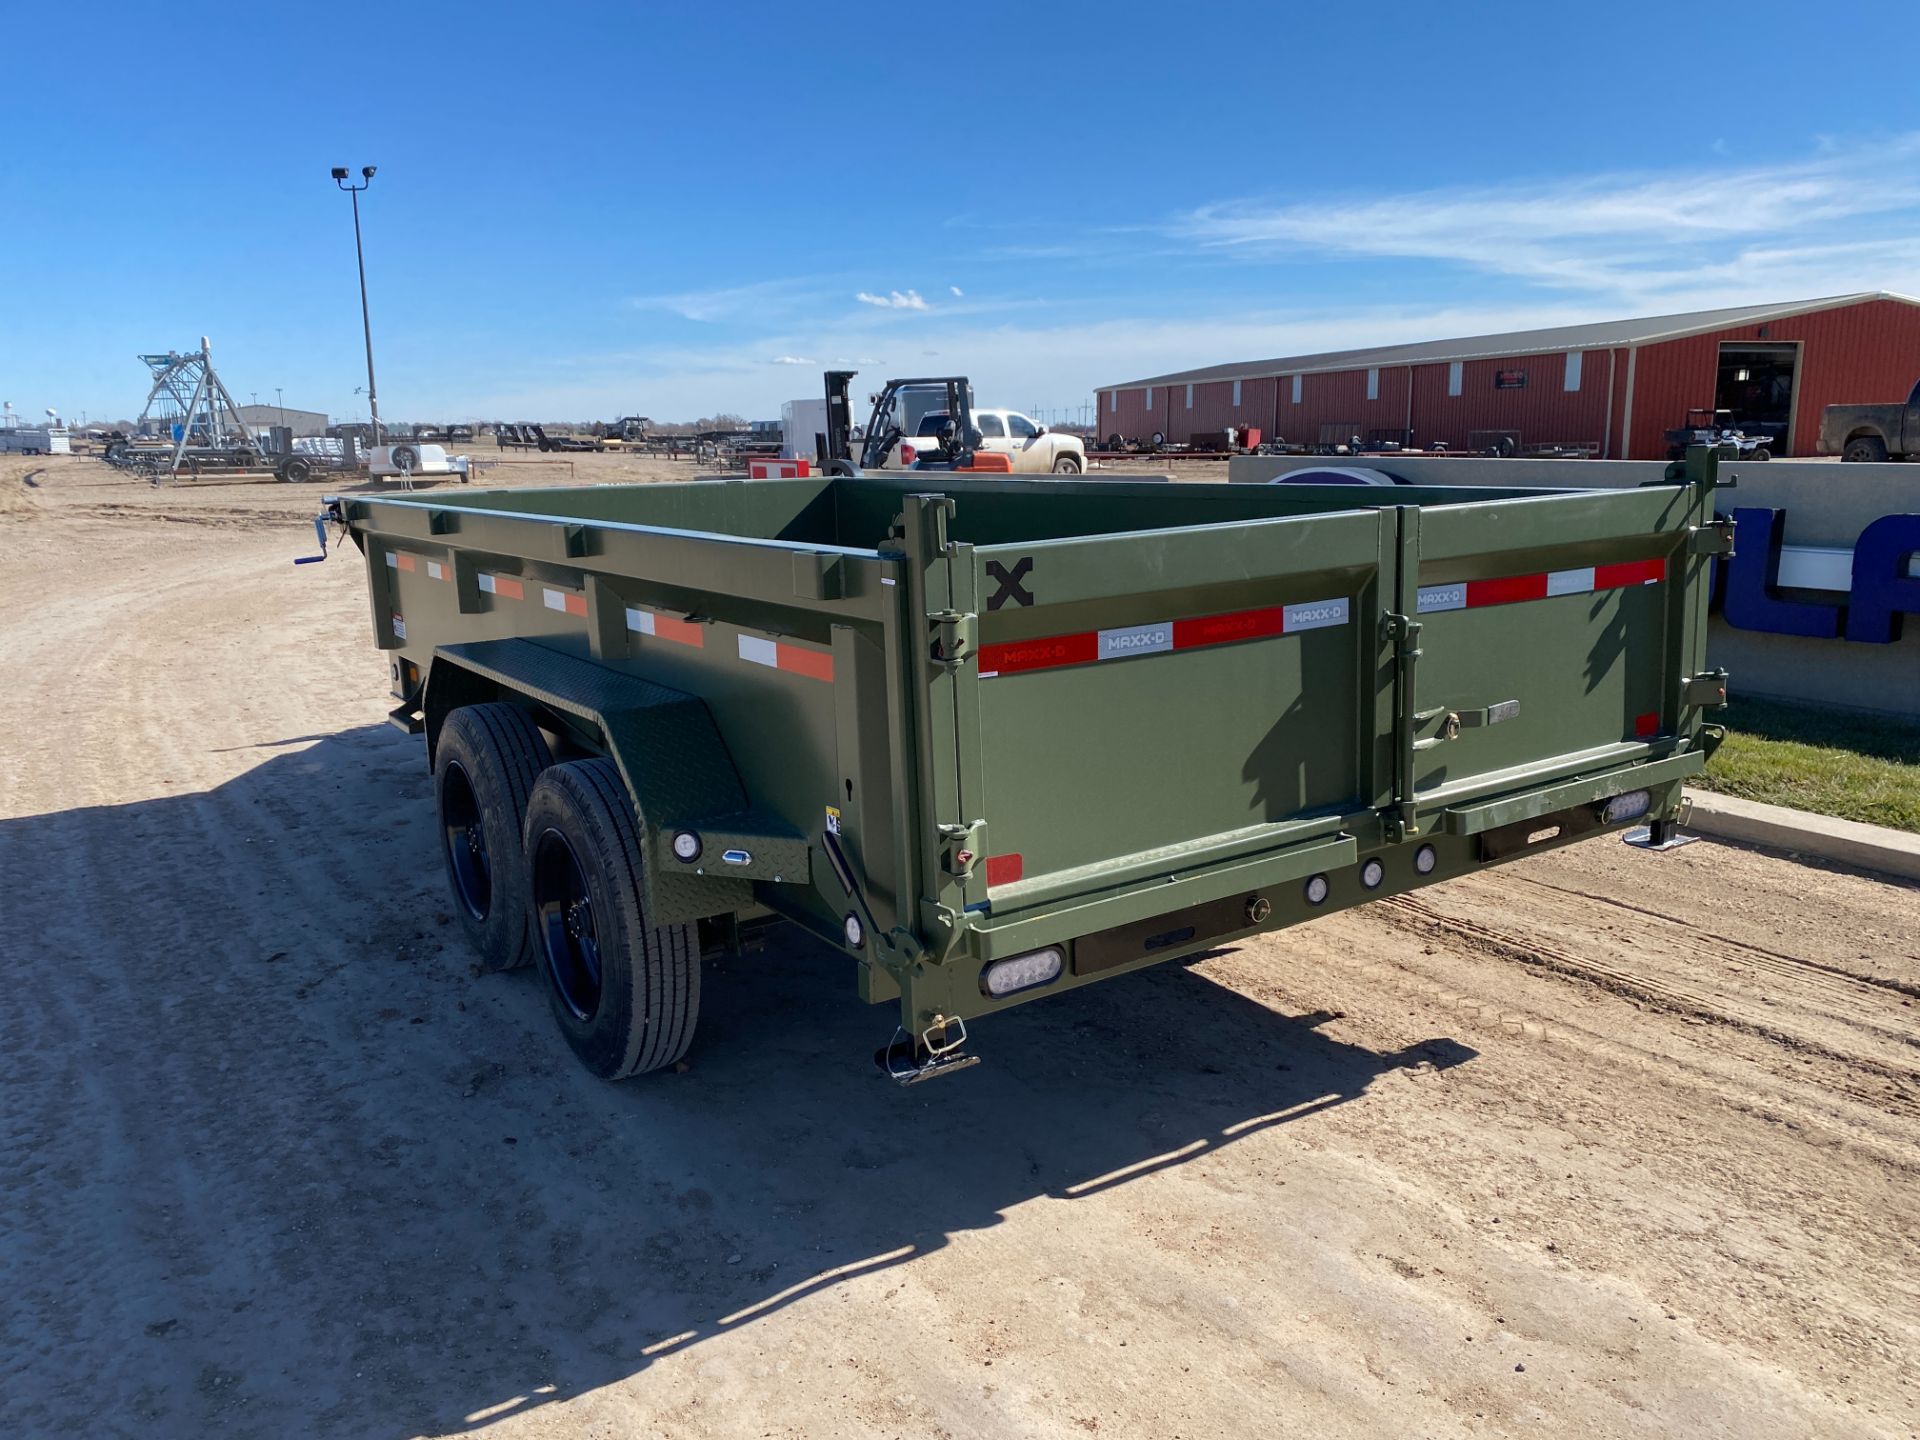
(1707, 690)
(953, 633)
(960, 846)
(1713, 538)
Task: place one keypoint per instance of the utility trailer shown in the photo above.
(992, 739)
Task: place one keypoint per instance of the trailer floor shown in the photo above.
(1604, 1143)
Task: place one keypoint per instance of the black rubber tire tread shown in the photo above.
(503, 753)
(1066, 465)
(650, 985)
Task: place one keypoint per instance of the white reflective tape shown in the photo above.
(760, 652)
(1136, 640)
(1314, 615)
(1442, 597)
(641, 620)
(436, 570)
(1570, 582)
(393, 561)
(555, 599)
(486, 582)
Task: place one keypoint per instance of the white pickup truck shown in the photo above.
(1033, 448)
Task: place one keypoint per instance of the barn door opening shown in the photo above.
(1755, 386)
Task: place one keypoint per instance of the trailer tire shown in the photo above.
(484, 767)
(624, 991)
(295, 468)
(405, 459)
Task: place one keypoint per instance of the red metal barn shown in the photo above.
(1612, 389)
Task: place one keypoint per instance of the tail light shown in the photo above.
(908, 455)
(1022, 972)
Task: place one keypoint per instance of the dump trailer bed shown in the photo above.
(996, 739)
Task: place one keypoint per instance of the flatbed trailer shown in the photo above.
(996, 739)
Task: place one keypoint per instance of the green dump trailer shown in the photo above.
(994, 739)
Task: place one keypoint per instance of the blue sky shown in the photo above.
(590, 210)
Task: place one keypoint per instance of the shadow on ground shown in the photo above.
(288, 1167)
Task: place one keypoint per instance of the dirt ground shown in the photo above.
(1599, 1144)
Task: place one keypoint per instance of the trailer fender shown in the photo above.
(670, 753)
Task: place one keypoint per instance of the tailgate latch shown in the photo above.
(1452, 722)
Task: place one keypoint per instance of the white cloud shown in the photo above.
(1711, 235)
(792, 360)
(894, 300)
(756, 301)
(957, 291)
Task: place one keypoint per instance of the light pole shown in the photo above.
(366, 325)
(280, 404)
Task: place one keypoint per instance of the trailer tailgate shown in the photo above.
(1154, 702)
(1550, 637)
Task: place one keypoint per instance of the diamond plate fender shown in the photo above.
(670, 753)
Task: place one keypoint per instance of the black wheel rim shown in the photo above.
(466, 842)
(563, 914)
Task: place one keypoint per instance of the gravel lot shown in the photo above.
(1601, 1143)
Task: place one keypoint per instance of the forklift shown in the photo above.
(933, 417)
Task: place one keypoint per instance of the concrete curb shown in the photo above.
(1847, 842)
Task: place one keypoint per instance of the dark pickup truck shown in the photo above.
(1872, 432)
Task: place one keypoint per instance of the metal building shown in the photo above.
(301, 422)
(1610, 389)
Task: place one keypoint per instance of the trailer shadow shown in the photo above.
(292, 1168)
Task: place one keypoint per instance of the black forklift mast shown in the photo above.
(839, 438)
(839, 418)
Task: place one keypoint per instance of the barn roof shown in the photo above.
(1600, 335)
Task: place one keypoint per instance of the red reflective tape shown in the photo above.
(576, 604)
(1004, 869)
(1631, 572)
(403, 561)
(1647, 724)
(1222, 629)
(508, 588)
(817, 664)
(1506, 591)
(1016, 655)
(779, 469)
(681, 632)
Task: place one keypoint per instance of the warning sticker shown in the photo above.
(399, 628)
(833, 819)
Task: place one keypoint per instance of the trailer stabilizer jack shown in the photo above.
(1660, 835)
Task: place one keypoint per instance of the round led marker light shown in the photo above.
(1372, 873)
(1425, 858)
(686, 846)
(856, 932)
(1317, 889)
(1022, 972)
(1630, 806)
